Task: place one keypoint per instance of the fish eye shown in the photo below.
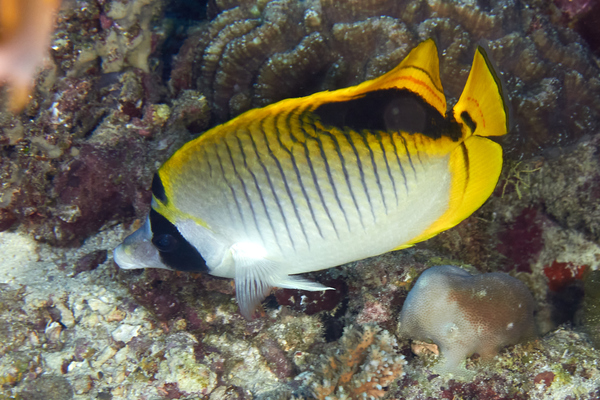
(164, 243)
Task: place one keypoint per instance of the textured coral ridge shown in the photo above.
(257, 52)
(465, 314)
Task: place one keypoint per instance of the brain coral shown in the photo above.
(257, 52)
(465, 314)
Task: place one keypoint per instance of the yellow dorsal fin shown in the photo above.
(419, 72)
(483, 106)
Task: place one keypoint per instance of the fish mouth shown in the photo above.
(123, 257)
(137, 251)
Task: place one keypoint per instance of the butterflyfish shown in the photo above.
(314, 182)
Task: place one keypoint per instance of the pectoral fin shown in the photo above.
(255, 277)
(253, 282)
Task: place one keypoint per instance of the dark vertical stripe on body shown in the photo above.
(408, 154)
(465, 154)
(288, 126)
(213, 170)
(422, 140)
(314, 175)
(285, 182)
(399, 162)
(328, 169)
(237, 175)
(237, 202)
(387, 165)
(374, 165)
(262, 198)
(348, 135)
(210, 168)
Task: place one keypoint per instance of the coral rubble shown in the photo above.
(83, 335)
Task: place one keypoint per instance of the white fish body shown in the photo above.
(311, 183)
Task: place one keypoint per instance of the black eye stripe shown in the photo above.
(179, 255)
(158, 190)
(165, 243)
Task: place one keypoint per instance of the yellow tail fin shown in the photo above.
(476, 163)
(483, 106)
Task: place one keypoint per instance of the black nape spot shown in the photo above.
(175, 251)
(389, 110)
(404, 115)
(466, 117)
(158, 190)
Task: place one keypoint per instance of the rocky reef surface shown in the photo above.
(74, 326)
(109, 107)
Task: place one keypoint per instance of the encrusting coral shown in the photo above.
(366, 366)
(258, 52)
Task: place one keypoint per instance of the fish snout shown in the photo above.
(137, 251)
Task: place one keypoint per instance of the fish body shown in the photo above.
(314, 182)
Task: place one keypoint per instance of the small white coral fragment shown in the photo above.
(125, 332)
(465, 314)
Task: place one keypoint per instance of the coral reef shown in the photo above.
(575, 203)
(465, 314)
(255, 53)
(581, 16)
(107, 109)
(83, 335)
(83, 151)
